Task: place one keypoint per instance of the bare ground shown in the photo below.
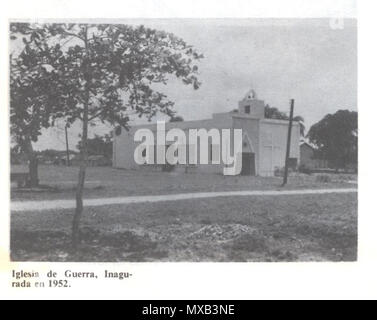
(294, 228)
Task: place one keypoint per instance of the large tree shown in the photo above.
(31, 109)
(105, 72)
(336, 137)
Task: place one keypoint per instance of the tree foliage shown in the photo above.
(176, 119)
(99, 145)
(116, 65)
(336, 137)
(30, 108)
(274, 113)
(100, 73)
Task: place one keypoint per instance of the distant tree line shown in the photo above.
(336, 137)
(99, 145)
(274, 113)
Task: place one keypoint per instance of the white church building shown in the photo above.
(263, 144)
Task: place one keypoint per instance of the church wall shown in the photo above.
(124, 145)
(273, 143)
(251, 128)
(268, 139)
(123, 150)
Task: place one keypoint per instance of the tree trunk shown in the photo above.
(33, 165)
(79, 206)
(81, 182)
(83, 155)
(33, 172)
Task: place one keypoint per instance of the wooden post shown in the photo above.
(66, 144)
(288, 143)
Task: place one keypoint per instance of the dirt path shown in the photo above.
(69, 204)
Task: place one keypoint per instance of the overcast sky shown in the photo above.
(304, 59)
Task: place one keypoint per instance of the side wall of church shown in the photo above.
(273, 143)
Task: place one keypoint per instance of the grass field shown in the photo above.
(108, 182)
(258, 228)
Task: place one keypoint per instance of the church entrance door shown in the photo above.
(248, 164)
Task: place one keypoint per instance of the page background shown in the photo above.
(212, 280)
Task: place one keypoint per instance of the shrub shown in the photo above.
(279, 172)
(323, 178)
(304, 169)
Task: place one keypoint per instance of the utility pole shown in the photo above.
(288, 143)
(66, 144)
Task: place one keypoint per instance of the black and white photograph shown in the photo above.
(183, 140)
(188, 157)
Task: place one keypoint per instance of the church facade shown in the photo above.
(263, 141)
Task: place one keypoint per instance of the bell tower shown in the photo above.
(251, 106)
